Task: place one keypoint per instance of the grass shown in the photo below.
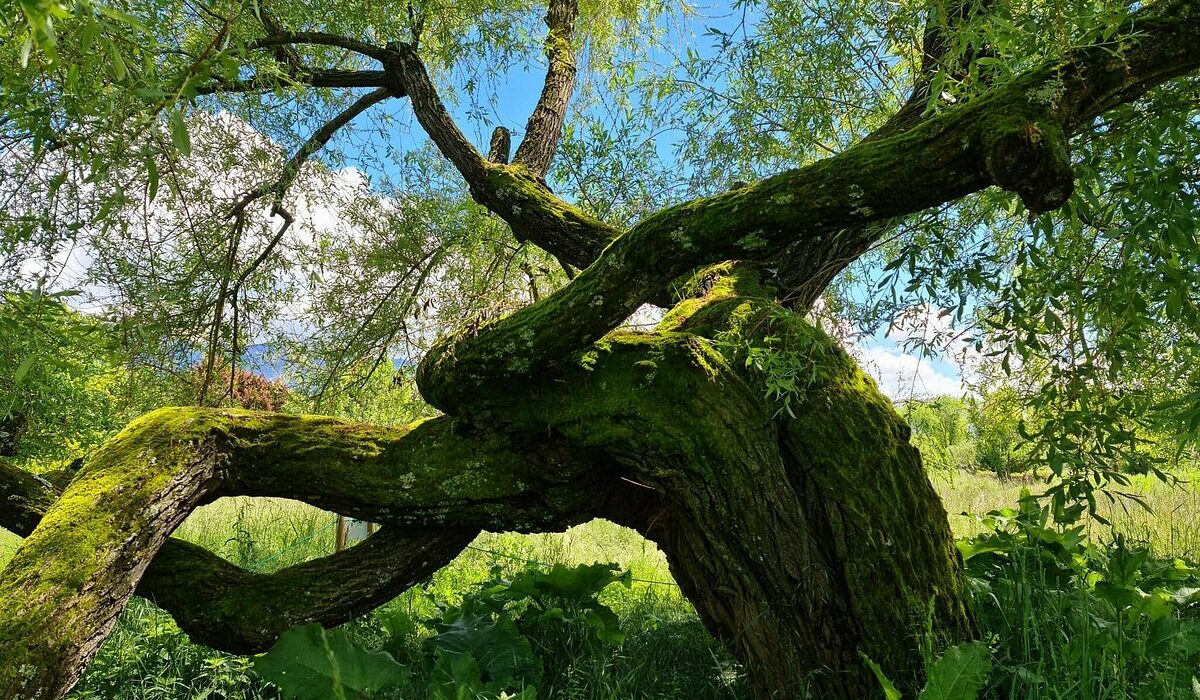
(1171, 527)
(666, 652)
(1040, 634)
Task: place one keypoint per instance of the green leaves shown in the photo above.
(88, 19)
(309, 663)
(885, 684)
(501, 654)
(179, 133)
(959, 674)
(576, 583)
(23, 369)
(40, 16)
(479, 650)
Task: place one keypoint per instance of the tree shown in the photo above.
(780, 483)
(62, 388)
(997, 419)
(941, 431)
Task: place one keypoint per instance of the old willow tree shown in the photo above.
(734, 433)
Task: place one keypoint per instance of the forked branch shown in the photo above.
(229, 608)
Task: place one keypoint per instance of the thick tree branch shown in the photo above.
(536, 215)
(431, 112)
(514, 193)
(500, 146)
(943, 22)
(229, 608)
(241, 612)
(24, 499)
(544, 129)
(117, 513)
(800, 283)
(1014, 136)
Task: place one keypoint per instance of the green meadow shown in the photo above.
(666, 652)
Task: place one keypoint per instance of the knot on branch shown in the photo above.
(500, 146)
(1032, 160)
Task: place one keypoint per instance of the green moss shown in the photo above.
(65, 584)
(56, 588)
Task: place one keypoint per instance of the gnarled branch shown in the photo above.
(70, 578)
(938, 160)
(227, 607)
(242, 612)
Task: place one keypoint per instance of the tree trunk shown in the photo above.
(805, 533)
(813, 543)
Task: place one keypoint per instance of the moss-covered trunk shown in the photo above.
(804, 534)
(802, 539)
(806, 545)
(796, 585)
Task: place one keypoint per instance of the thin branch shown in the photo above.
(322, 136)
(291, 170)
(304, 76)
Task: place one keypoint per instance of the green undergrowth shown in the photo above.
(1071, 616)
(662, 650)
(1065, 611)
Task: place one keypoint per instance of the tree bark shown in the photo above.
(809, 534)
(66, 585)
(805, 533)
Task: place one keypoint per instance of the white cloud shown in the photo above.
(902, 376)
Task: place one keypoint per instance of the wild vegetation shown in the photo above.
(1082, 610)
(260, 251)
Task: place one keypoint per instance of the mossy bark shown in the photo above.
(62, 591)
(832, 544)
(243, 612)
(802, 540)
(804, 537)
(64, 588)
(793, 536)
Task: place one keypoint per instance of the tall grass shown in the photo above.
(1049, 641)
(666, 652)
(1171, 526)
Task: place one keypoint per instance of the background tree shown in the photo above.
(780, 483)
(941, 430)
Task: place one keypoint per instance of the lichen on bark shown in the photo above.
(803, 536)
